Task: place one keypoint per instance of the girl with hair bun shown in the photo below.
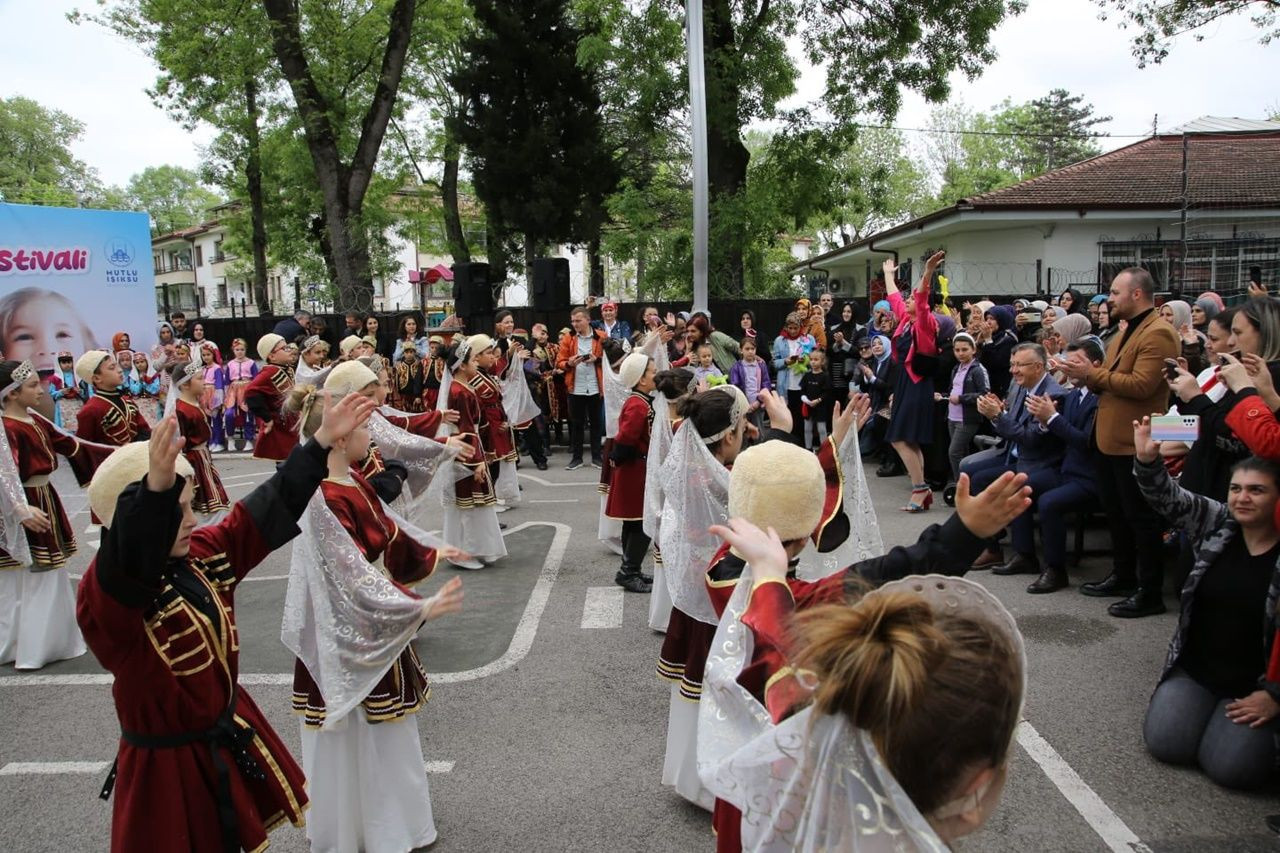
(37, 602)
(915, 687)
(186, 384)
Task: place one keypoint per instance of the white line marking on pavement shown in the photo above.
(543, 482)
(50, 768)
(603, 607)
(558, 501)
(1110, 828)
(439, 766)
(92, 528)
(521, 640)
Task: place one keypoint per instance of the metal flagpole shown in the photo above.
(698, 121)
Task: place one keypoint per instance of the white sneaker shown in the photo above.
(216, 448)
(501, 508)
(248, 445)
(466, 564)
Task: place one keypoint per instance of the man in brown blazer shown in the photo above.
(1130, 383)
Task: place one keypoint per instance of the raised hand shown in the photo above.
(1144, 448)
(163, 449)
(762, 550)
(842, 420)
(342, 417)
(447, 600)
(991, 510)
(861, 406)
(776, 408)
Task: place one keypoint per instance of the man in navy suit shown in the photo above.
(1072, 486)
(1028, 446)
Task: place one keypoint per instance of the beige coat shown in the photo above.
(1130, 383)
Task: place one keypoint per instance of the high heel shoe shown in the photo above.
(924, 503)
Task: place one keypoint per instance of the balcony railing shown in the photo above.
(167, 267)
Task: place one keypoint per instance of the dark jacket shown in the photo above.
(976, 384)
(1074, 425)
(1037, 447)
(996, 352)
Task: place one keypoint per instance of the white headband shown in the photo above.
(736, 413)
(190, 370)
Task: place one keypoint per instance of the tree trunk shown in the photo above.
(727, 157)
(257, 217)
(449, 198)
(640, 253)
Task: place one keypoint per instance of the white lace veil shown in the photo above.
(517, 402)
(422, 457)
(864, 539)
(659, 445)
(615, 395)
(813, 782)
(695, 496)
(343, 616)
(13, 505)
(654, 347)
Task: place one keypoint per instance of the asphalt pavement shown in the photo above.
(546, 725)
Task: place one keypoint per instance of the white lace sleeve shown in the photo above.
(517, 402)
(343, 617)
(615, 394)
(659, 446)
(654, 347)
(13, 506)
(695, 496)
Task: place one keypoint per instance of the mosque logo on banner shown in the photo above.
(120, 254)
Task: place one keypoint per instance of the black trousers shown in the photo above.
(584, 409)
(797, 413)
(1135, 526)
(635, 544)
(533, 442)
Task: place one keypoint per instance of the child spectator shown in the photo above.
(751, 375)
(815, 396)
(968, 382)
(706, 366)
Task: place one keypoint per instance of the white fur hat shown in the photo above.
(347, 344)
(348, 377)
(88, 364)
(477, 344)
(267, 343)
(777, 484)
(633, 368)
(126, 465)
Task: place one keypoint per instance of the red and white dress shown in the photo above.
(193, 424)
(470, 520)
(264, 397)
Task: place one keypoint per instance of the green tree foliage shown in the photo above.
(36, 163)
(1159, 22)
(533, 128)
(172, 195)
(971, 154)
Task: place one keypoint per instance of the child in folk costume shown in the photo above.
(265, 397)
(110, 416)
(186, 389)
(409, 379)
(199, 768)
(350, 616)
(68, 392)
(749, 684)
(37, 604)
(240, 371)
(311, 359)
(627, 482)
(213, 382)
(470, 521)
(433, 371)
(498, 438)
(148, 389)
(612, 395)
(669, 387)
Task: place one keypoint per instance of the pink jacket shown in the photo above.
(924, 326)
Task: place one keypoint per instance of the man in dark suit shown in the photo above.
(1028, 446)
(1057, 492)
(1129, 383)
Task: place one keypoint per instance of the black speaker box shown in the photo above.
(550, 284)
(472, 293)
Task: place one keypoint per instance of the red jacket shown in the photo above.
(569, 348)
(1255, 425)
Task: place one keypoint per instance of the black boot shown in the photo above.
(630, 579)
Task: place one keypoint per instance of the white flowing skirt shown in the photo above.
(609, 530)
(659, 600)
(475, 531)
(368, 787)
(680, 767)
(38, 618)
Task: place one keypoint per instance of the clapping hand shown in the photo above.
(1042, 408)
(989, 405)
(991, 510)
(1188, 334)
(1144, 448)
(163, 449)
(449, 598)
(762, 550)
